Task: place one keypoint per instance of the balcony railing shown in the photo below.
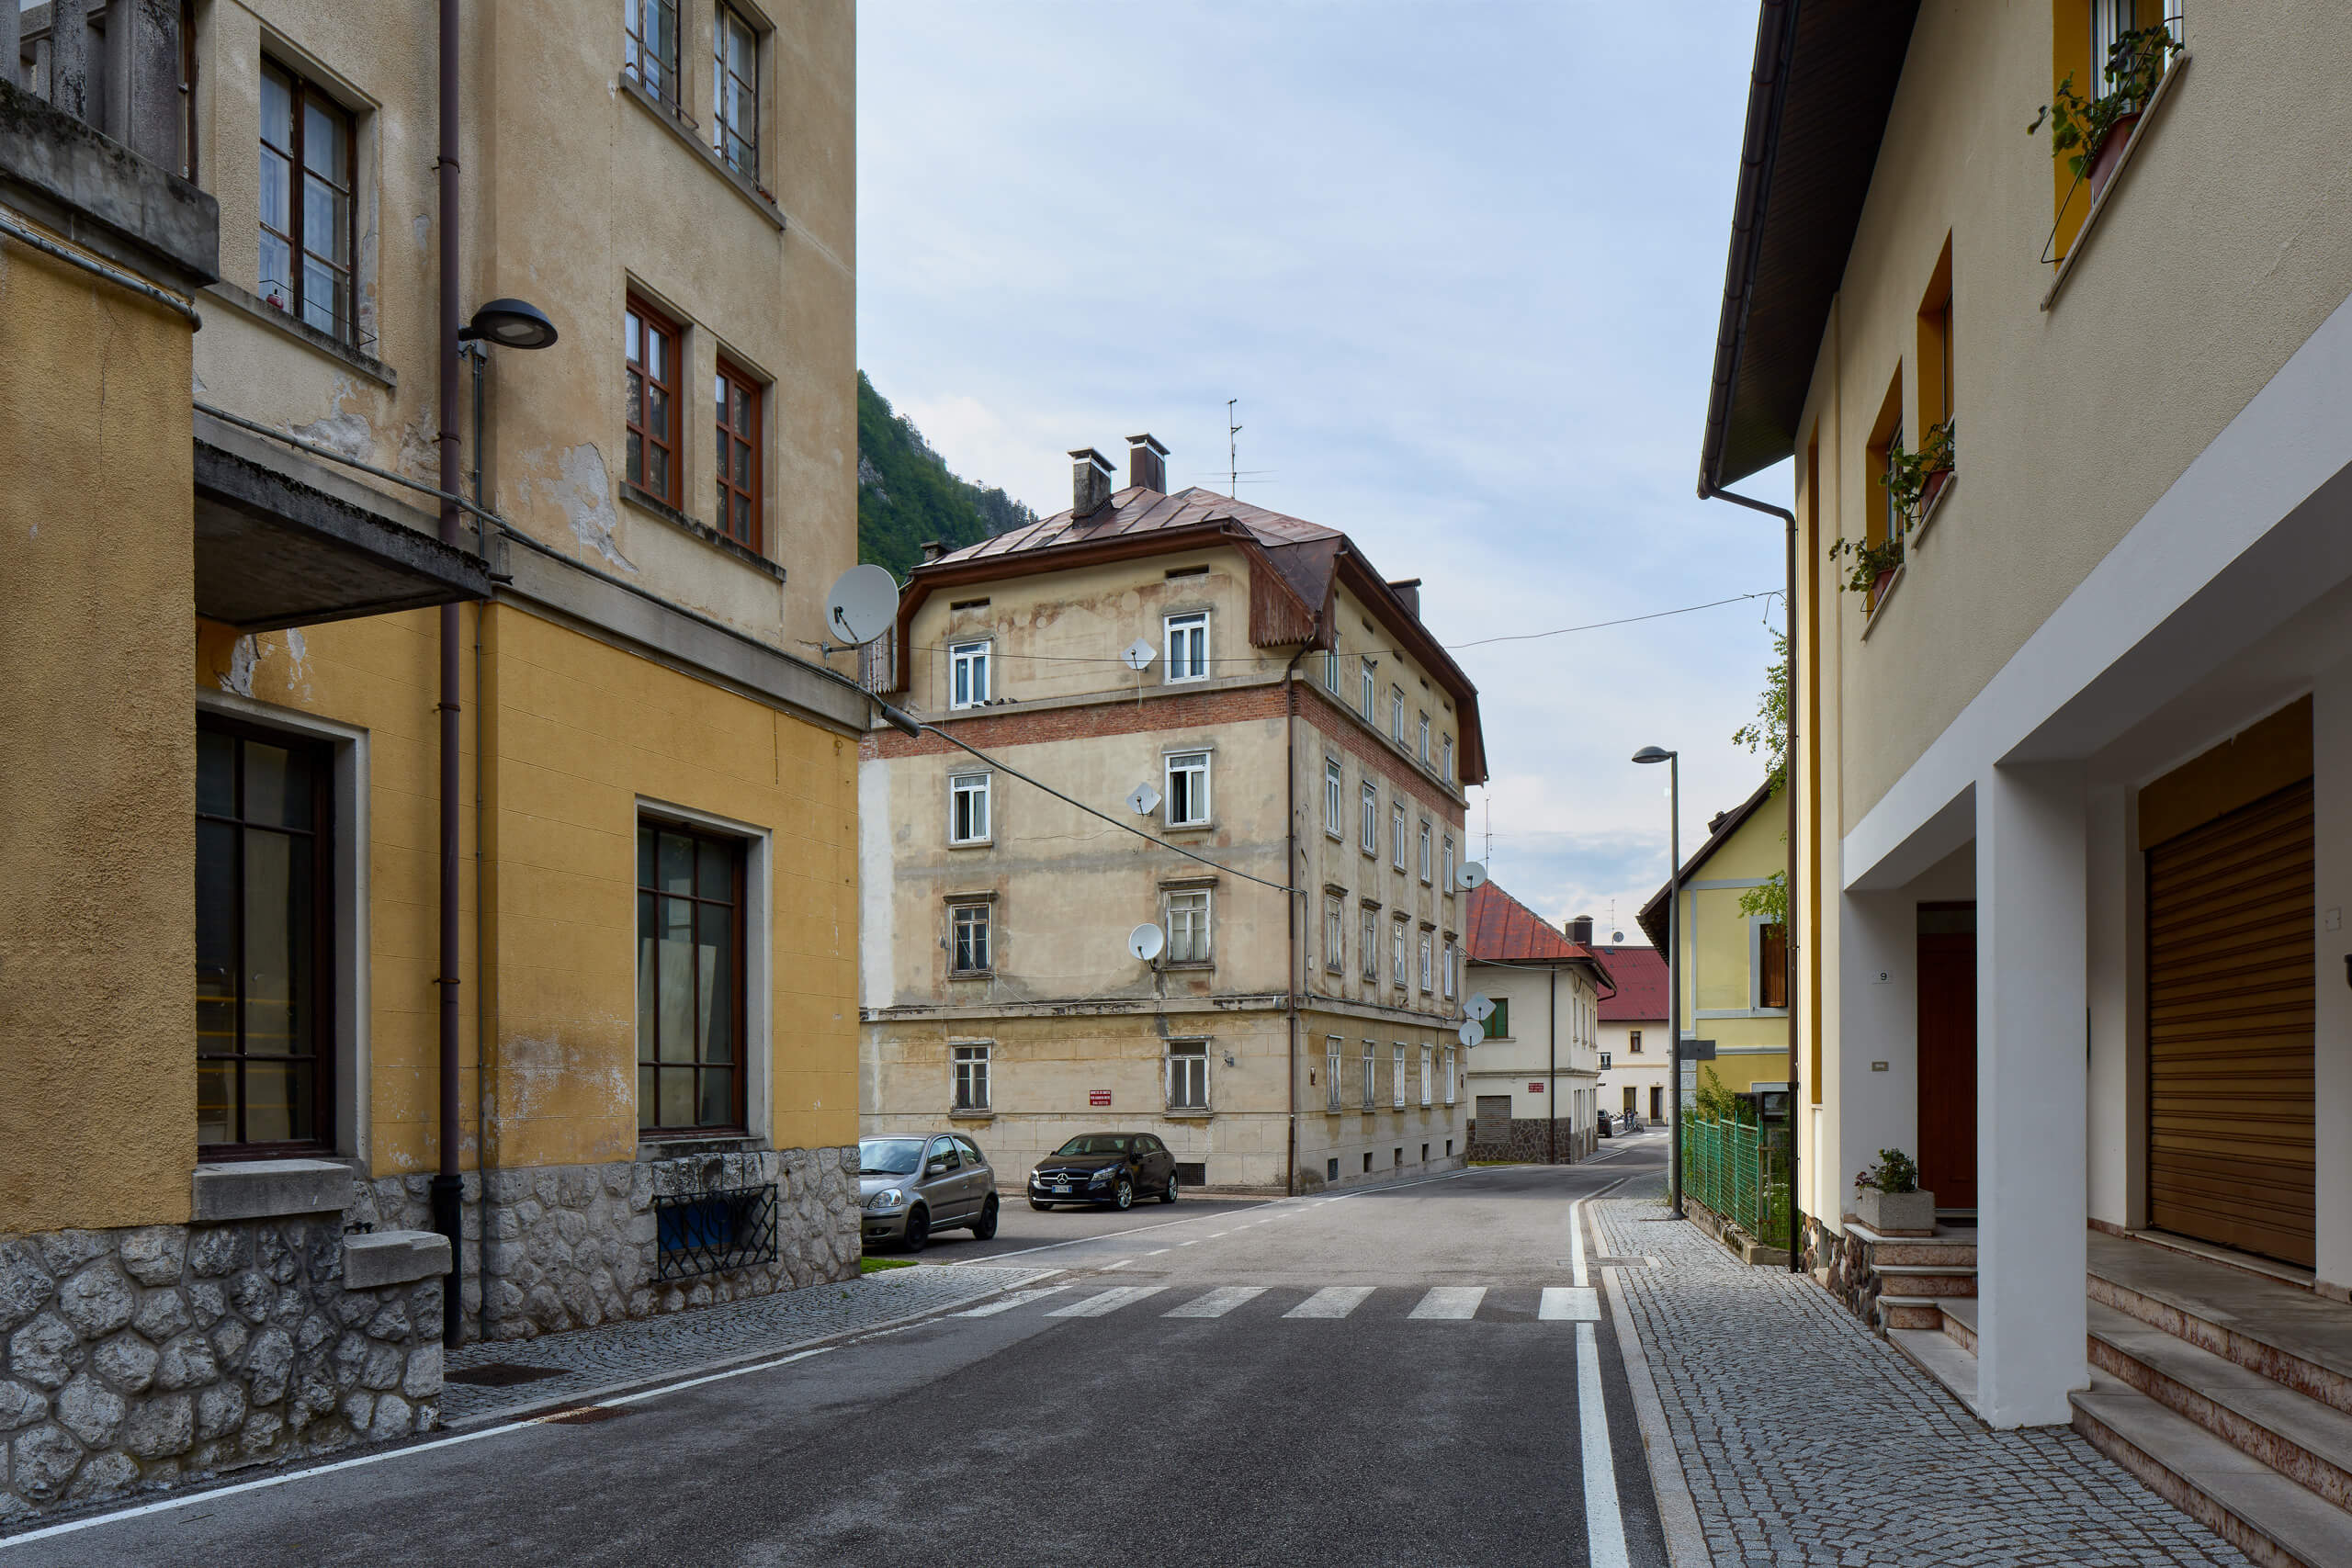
(125, 67)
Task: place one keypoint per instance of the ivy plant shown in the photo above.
(2079, 124)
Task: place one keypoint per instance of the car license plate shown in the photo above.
(1062, 1186)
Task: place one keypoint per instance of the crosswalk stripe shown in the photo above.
(1006, 1303)
(1569, 1303)
(1331, 1301)
(1108, 1302)
(1218, 1303)
(1452, 1302)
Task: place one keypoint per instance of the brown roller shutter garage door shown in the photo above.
(2229, 1027)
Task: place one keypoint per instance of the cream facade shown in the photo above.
(1635, 1066)
(601, 1035)
(1534, 1077)
(2072, 785)
(1267, 1044)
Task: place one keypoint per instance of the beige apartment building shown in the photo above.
(1298, 1031)
(431, 434)
(2074, 744)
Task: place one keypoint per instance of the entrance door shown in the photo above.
(2230, 1026)
(1948, 1054)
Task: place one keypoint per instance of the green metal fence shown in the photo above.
(1740, 1171)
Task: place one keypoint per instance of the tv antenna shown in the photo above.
(1232, 452)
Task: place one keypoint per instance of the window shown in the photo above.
(1448, 968)
(1397, 836)
(1429, 1078)
(1369, 675)
(263, 939)
(1187, 1074)
(967, 939)
(649, 343)
(1633, 1044)
(1772, 966)
(1371, 1082)
(1372, 945)
(1498, 1020)
(1188, 926)
(735, 93)
(650, 46)
(1332, 671)
(1331, 792)
(1446, 770)
(689, 979)
(1335, 955)
(967, 808)
(1448, 862)
(1332, 1073)
(971, 1078)
(307, 226)
(1427, 957)
(1425, 741)
(1449, 1083)
(736, 405)
(1188, 789)
(967, 665)
(1428, 868)
(1397, 715)
(1188, 646)
(1397, 953)
(1370, 823)
(1396, 1086)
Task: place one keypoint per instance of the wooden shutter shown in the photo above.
(2230, 990)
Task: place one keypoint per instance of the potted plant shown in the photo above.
(1887, 1197)
(1916, 478)
(2090, 133)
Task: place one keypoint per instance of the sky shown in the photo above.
(1461, 263)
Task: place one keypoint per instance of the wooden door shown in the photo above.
(1948, 1054)
(2230, 1002)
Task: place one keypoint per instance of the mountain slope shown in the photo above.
(905, 494)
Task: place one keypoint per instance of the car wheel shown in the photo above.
(918, 1229)
(1123, 1195)
(1169, 1196)
(984, 1227)
(1041, 1208)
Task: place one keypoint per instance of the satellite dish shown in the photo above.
(862, 605)
(1470, 1034)
(1139, 655)
(1616, 936)
(1146, 943)
(1472, 875)
(1143, 801)
(1479, 1006)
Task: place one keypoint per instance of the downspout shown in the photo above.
(449, 1185)
(1294, 979)
(478, 354)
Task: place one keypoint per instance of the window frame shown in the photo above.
(1193, 764)
(1448, 970)
(1332, 1101)
(1396, 834)
(1447, 772)
(1452, 876)
(1397, 715)
(1335, 934)
(1372, 1075)
(1368, 816)
(1372, 945)
(670, 90)
(1368, 673)
(733, 387)
(1498, 1024)
(1452, 1081)
(1188, 1050)
(651, 321)
(1334, 794)
(979, 1055)
(1632, 1043)
(1396, 1076)
(977, 786)
(1761, 938)
(973, 657)
(1428, 1074)
(1331, 670)
(1429, 829)
(1206, 904)
(1425, 741)
(738, 1065)
(1429, 963)
(957, 911)
(301, 92)
(1398, 941)
(723, 128)
(1179, 626)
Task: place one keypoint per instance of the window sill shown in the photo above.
(667, 117)
(971, 1116)
(1936, 507)
(302, 332)
(1200, 963)
(1885, 595)
(265, 1189)
(1208, 827)
(2115, 181)
(971, 975)
(1189, 1113)
(971, 843)
(646, 501)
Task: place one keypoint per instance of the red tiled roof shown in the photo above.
(1499, 929)
(1640, 974)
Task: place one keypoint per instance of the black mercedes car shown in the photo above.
(1105, 1167)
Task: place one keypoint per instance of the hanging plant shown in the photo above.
(1912, 479)
(2081, 127)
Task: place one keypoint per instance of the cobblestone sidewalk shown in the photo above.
(1806, 1439)
(645, 1349)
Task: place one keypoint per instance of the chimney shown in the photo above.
(1409, 590)
(1580, 929)
(932, 550)
(1090, 481)
(1147, 463)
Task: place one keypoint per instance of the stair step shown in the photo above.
(2288, 1334)
(1928, 1279)
(2235, 1495)
(1958, 1315)
(2303, 1439)
(1910, 1312)
(1943, 1360)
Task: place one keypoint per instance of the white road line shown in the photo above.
(1006, 1303)
(1331, 1301)
(1214, 1234)
(1568, 1303)
(1604, 1526)
(1110, 1300)
(1122, 1263)
(1218, 1303)
(1450, 1302)
(1155, 1252)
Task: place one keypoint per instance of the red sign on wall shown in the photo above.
(1099, 1098)
(1535, 1088)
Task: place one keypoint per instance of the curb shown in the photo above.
(1678, 1515)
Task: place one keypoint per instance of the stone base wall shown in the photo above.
(571, 1246)
(1842, 1265)
(1529, 1140)
(141, 1358)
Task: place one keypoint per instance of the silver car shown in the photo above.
(910, 1187)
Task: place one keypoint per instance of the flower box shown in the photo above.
(1895, 1214)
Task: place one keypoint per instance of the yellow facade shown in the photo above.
(1722, 975)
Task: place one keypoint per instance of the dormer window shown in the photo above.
(1188, 646)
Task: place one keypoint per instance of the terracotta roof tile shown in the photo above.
(1499, 929)
(1640, 974)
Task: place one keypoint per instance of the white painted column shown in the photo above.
(1878, 1036)
(2031, 849)
(2331, 1062)
(2117, 1112)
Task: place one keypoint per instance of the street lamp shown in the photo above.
(1673, 761)
(510, 323)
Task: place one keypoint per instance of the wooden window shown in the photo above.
(308, 227)
(737, 405)
(649, 344)
(1772, 966)
(969, 944)
(1370, 1083)
(1498, 1020)
(1634, 1044)
(1371, 944)
(650, 46)
(690, 1005)
(971, 1078)
(1332, 1073)
(264, 940)
(1335, 927)
(735, 92)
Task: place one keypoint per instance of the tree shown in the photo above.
(1768, 733)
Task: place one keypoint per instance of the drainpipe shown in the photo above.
(1707, 491)
(1293, 980)
(449, 1186)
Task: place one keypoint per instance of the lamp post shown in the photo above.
(1673, 761)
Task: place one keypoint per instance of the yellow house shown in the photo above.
(1733, 966)
(443, 828)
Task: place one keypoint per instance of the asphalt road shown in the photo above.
(1021, 1229)
(1381, 1432)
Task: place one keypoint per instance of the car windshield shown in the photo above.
(888, 1157)
(1097, 1144)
